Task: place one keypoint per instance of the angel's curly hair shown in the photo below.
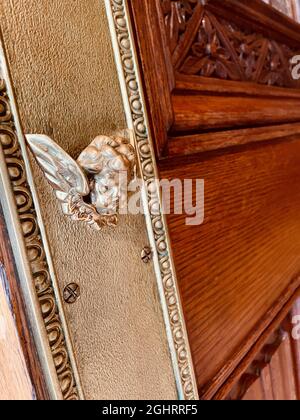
(107, 153)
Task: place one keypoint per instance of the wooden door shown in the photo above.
(224, 107)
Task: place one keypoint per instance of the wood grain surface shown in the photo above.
(272, 373)
(223, 107)
(206, 142)
(236, 270)
(198, 113)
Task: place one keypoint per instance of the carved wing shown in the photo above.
(62, 172)
(68, 180)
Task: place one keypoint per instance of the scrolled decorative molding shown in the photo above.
(120, 26)
(36, 255)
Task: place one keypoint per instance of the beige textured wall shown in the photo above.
(67, 87)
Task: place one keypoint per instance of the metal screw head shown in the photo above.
(146, 254)
(71, 293)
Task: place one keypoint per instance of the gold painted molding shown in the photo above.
(157, 228)
(31, 251)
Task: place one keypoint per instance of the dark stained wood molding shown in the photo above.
(198, 84)
(296, 347)
(195, 113)
(282, 322)
(243, 259)
(259, 16)
(17, 305)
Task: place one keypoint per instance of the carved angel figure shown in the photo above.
(92, 188)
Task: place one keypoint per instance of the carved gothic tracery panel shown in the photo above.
(273, 367)
(203, 44)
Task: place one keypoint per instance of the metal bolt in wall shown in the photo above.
(146, 254)
(71, 293)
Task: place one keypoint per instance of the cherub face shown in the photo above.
(110, 162)
(107, 191)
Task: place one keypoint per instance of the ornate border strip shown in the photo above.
(137, 120)
(31, 250)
